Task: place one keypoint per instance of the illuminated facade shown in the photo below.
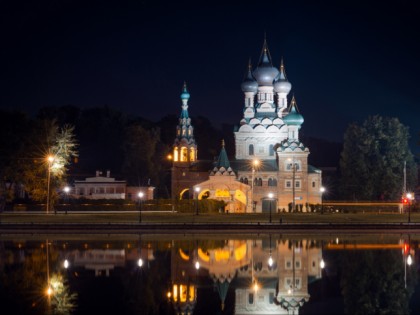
(268, 133)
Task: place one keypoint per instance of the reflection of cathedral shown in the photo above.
(268, 277)
(269, 157)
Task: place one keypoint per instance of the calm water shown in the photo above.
(204, 274)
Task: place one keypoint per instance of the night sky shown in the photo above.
(345, 59)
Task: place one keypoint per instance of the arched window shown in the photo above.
(192, 154)
(271, 150)
(290, 164)
(272, 182)
(176, 155)
(184, 154)
(258, 182)
(245, 181)
(251, 149)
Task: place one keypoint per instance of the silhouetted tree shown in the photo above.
(372, 160)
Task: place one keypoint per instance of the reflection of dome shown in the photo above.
(249, 84)
(265, 73)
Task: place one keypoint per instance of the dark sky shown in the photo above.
(345, 59)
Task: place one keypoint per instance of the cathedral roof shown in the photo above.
(265, 73)
(294, 118)
(222, 166)
(249, 84)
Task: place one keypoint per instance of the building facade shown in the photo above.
(270, 160)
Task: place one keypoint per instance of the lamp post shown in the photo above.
(270, 198)
(197, 190)
(66, 191)
(293, 164)
(140, 194)
(409, 199)
(322, 190)
(50, 160)
(255, 164)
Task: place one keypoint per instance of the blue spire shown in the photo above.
(185, 95)
(223, 160)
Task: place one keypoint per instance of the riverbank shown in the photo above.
(161, 222)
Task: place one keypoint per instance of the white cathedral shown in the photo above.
(270, 171)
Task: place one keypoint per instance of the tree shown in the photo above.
(48, 139)
(372, 160)
(143, 155)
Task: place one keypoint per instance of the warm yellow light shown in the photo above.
(169, 157)
(169, 295)
(409, 260)
(322, 264)
(50, 158)
(256, 286)
(322, 190)
(256, 163)
(49, 291)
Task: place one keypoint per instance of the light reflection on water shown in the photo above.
(202, 274)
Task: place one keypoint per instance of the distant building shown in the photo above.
(100, 187)
(270, 171)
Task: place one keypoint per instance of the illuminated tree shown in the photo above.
(48, 139)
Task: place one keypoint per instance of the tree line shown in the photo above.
(371, 159)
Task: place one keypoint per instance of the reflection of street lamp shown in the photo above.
(50, 160)
(255, 164)
(322, 190)
(270, 198)
(140, 194)
(197, 190)
(270, 258)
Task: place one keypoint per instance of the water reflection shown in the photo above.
(193, 274)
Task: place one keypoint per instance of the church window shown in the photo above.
(184, 154)
(251, 298)
(313, 185)
(272, 182)
(258, 182)
(183, 132)
(289, 166)
(192, 154)
(245, 181)
(297, 264)
(251, 149)
(176, 155)
(271, 298)
(271, 150)
(288, 184)
(297, 184)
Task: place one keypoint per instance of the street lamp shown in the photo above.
(50, 160)
(293, 165)
(255, 164)
(409, 198)
(197, 190)
(270, 198)
(140, 194)
(322, 190)
(66, 190)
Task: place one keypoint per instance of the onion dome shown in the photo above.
(265, 73)
(282, 85)
(249, 84)
(293, 118)
(185, 95)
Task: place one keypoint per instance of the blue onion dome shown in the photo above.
(185, 95)
(293, 118)
(282, 85)
(249, 84)
(265, 73)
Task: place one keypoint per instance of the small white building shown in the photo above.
(100, 187)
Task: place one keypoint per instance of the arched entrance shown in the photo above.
(267, 204)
